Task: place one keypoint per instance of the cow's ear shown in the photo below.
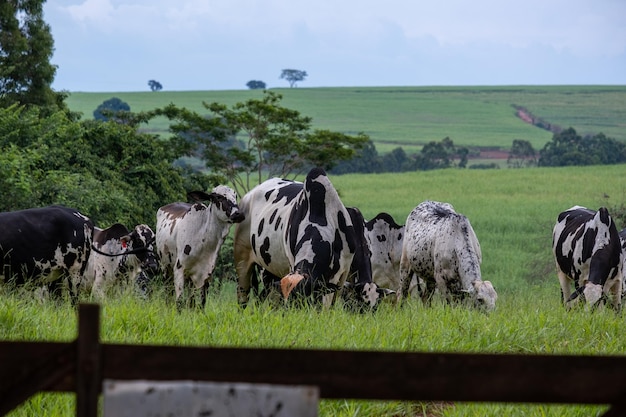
(384, 292)
(198, 196)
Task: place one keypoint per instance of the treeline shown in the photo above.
(566, 148)
(434, 155)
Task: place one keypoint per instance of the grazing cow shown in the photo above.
(300, 233)
(44, 245)
(189, 236)
(359, 284)
(385, 238)
(118, 252)
(441, 248)
(588, 251)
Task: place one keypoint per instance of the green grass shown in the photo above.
(512, 212)
(412, 116)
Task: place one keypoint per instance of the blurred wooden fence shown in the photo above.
(81, 366)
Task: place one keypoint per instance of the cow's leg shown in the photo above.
(203, 292)
(244, 267)
(179, 286)
(566, 287)
(614, 292)
(406, 275)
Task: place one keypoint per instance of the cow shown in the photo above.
(119, 253)
(190, 235)
(46, 245)
(441, 248)
(587, 250)
(300, 234)
(385, 237)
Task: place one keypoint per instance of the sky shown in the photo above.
(119, 45)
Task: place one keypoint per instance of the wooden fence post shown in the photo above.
(88, 361)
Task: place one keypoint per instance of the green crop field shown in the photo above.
(512, 212)
(412, 116)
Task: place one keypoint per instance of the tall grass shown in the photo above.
(512, 211)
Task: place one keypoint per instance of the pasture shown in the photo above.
(412, 116)
(512, 212)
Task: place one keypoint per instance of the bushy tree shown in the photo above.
(522, 154)
(272, 140)
(109, 109)
(26, 46)
(155, 85)
(569, 148)
(255, 85)
(110, 171)
(293, 76)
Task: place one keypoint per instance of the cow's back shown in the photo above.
(267, 209)
(438, 239)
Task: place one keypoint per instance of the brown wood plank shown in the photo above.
(88, 379)
(30, 367)
(384, 375)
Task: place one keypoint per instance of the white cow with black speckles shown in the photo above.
(441, 248)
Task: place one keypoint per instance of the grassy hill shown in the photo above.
(412, 116)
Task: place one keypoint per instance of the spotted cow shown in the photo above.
(385, 238)
(301, 234)
(441, 248)
(587, 251)
(189, 237)
(45, 245)
(118, 253)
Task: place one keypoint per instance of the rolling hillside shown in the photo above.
(481, 117)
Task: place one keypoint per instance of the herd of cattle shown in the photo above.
(302, 243)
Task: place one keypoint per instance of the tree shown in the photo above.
(155, 85)
(272, 140)
(26, 47)
(569, 148)
(521, 154)
(293, 76)
(255, 85)
(109, 108)
(97, 167)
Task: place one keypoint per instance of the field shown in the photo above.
(512, 212)
(477, 117)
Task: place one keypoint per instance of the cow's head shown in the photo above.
(141, 242)
(484, 295)
(363, 297)
(225, 199)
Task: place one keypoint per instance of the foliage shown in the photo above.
(293, 76)
(255, 85)
(109, 108)
(569, 148)
(26, 47)
(434, 155)
(110, 171)
(522, 154)
(155, 85)
(256, 139)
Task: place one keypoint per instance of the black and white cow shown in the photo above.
(441, 248)
(189, 236)
(588, 251)
(44, 245)
(300, 233)
(118, 253)
(385, 238)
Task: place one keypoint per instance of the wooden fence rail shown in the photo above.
(82, 365)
